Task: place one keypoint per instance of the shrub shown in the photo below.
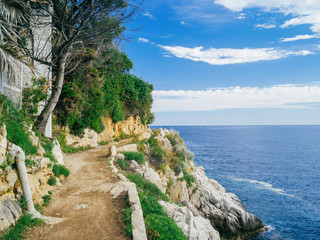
(30, 163)
(137, 156)
(46, 200)
(150, 205)
(16, 123)
(60, 170)
(52, 181)
(127, 218)
(156, 152)
(122, 164)
(163, 228)
(188, 178)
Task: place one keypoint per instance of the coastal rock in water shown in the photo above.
(224, 210)
(194, 227)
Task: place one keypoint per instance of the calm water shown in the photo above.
(274, 170)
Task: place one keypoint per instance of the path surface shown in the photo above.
(90, 214)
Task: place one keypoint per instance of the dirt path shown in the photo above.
(90, 214)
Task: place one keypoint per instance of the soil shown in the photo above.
(89, 214)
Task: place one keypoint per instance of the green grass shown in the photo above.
(163, 228)
(188, 178)
(122, 164)
(137, 156)
(60, 170)
(16, 232)
(127, 218)
(30, 163)
(158, 224)
(46, 200)
(52, 181)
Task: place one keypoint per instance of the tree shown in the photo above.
(81, 28)
(13, 14)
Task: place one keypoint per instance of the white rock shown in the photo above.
(89, 139)
(113, 151)
(194, 227)
(11, 178)
(128, 148)
(57, 152)
(120, 156)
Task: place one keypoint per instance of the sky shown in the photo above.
(229, 62)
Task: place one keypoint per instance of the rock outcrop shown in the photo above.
(129, 126)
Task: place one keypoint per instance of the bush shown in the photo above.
(52, 181)
(150, 205)
(137, 156)
(127, 218)
(122, 164)
(163, 228)
(46, 200)
(60, 170)
(16, 123)
(188, 178)
(156, 152)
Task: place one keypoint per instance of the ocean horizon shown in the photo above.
(273, 169)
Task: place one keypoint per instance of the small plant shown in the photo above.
(49, 192)
(52, 181)
(188, 178)
(46, 200)
(23, 203)
(38, 207)
(30, 163)
(60, 170)
(137, 156)
(122, 164)
(102, 143)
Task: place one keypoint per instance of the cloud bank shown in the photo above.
(224, 56)
(280, 96)
(302, 12)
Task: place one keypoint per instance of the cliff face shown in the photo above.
(129, 126)
(208, 211)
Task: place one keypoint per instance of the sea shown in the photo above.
(274, 170)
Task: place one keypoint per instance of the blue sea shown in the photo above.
(274, 170)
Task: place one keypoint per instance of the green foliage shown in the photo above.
(127, 218)
(149, 188)
(46, 200)
(65, 148)
(149, 195)
(52, 181)
(156, 152)
(137, 156)
(60, 170)
(16, 123)
(30, 163)
(122, 164)
(25, 222)
(38, 207)
(163, 228)
(106, 89)
(151, 118)
(188, 178)
(31, 97)
(23, 203)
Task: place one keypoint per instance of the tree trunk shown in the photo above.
(42, 119)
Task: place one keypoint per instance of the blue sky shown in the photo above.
(229, 62)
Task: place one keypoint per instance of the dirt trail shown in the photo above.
(90, 214)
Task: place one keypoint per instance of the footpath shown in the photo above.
(89, 211)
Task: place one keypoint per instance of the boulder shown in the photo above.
(128, 148)
(89, 139)
(57, 152)
(113, 151)
(194, 227)
(226, 212)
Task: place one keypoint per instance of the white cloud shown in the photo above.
(280, 96)
(183, 23)
(241, 16)
(265, 25)
(224, 56)
(302, 12)
(298, 37)
(149, 15)
(140, 39)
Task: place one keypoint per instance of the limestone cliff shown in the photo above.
(208, 212)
